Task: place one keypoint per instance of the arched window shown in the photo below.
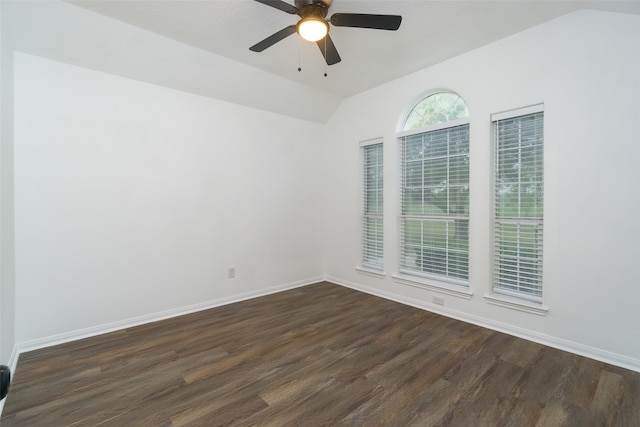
(440, 107)
(434, 193)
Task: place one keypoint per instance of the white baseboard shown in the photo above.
(544, 339)
(49, 341)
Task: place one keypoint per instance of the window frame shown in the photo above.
(365, 266)
(518, 299)
(445, 284)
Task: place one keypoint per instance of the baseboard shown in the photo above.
(39, 343)
(548, 340)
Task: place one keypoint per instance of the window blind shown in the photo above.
(518, 226)
(434, 220)
(372, 206)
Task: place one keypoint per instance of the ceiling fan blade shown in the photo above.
(329, 50)
(363, 20)
(280, 5)
(273, 39)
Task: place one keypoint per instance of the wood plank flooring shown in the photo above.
(320, 355)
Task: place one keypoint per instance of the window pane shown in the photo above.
(440, 107)
(435, 203)
(372, 206)
(519, 205)
(373, 234)
(437, 247)
(518, 258)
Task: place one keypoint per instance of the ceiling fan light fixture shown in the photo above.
(314, 26)
(313, 29)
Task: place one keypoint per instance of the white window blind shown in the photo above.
(372, 205)
(518, 222)
(434, 219)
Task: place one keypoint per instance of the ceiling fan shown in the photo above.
(313, 26)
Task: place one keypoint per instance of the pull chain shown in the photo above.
(325, 55)
(299, 67)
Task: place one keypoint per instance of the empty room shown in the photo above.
(426, 214)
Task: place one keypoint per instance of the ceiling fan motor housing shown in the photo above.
(313, 8)
(300, 4)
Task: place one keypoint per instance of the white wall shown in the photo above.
(133, 199)
(584, 68)
(7, 285)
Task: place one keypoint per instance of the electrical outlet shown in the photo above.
(438, 300)
(231, 273)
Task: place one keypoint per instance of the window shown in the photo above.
(441, 107)
(372, 205)
(434, 191)
(518, 203)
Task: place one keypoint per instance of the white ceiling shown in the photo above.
(202, 46)
(431, 31)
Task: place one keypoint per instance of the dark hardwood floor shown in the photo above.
(317, 355)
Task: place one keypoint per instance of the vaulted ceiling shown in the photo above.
(431, 32)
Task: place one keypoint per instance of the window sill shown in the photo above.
(517, 304)
(433, 285)
(370, 272)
